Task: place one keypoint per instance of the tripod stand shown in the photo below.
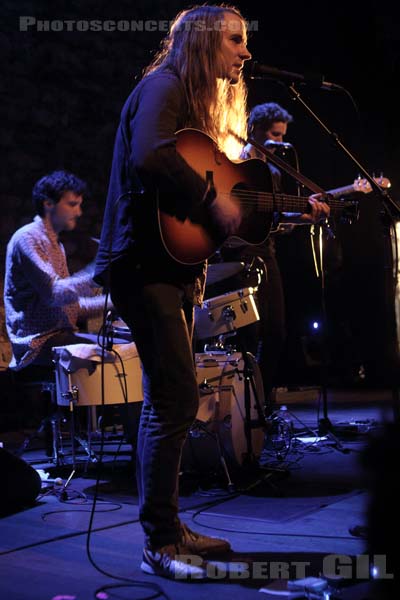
(42, 378)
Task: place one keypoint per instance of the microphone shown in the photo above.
(258, 70)
(274, 144)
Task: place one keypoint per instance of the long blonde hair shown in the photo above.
(193, 50)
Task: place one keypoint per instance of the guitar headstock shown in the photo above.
(362, 185)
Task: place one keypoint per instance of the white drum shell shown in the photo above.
(222, 408)
(226, 313)
(86, 377)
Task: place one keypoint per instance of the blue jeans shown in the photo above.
(161, 320)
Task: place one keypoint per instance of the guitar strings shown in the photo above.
(269, 200)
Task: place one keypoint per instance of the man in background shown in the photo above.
(42, 300)
(268, 125)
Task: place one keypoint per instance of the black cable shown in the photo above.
(124, 386)
(66, 536)
(236, 495)
(158, 592)
(56, 512)
(270, 533)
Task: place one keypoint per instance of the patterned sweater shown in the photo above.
(41, 298)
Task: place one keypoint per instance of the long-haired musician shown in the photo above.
(194, 81)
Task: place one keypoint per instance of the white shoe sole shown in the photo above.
(197, 574)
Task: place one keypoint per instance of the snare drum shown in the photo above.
(226, 313)
(79, 366)
(222, 412)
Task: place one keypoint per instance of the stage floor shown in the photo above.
(286, 519)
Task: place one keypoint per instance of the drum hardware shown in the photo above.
(222, 316)
(72, 395)
(206, 388)
(219, 345)
(219, 436)
(201, 429)
(226, 313)
(50, 425)
(79, 383)
(249, 423)
(251, 270)
(80, 366)
(247, 374)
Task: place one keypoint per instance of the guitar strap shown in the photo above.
(282, 164)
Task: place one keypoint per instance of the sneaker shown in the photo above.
(175, 562)
(197, 543)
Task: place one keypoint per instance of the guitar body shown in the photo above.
(248, 183)
(190, 243)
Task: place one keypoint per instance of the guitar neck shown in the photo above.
(342, 191)
(284, 203)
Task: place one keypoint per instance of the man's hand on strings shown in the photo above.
(319, 210)
(226, 214)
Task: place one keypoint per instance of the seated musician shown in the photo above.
(42, 300)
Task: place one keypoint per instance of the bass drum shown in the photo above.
(219, 428)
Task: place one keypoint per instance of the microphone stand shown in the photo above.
(324, 424)
(392, 210)
(387, 201)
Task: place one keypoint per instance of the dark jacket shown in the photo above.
(145, 164)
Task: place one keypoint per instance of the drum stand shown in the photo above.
(216, 438)
(50, 424)
(250, 460)
(247, 374)
(249, 423)
(72, 396)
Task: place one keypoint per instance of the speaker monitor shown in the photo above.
(21, 484)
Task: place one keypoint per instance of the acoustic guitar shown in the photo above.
(249, 184)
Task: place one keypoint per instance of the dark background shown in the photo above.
(61, 98)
